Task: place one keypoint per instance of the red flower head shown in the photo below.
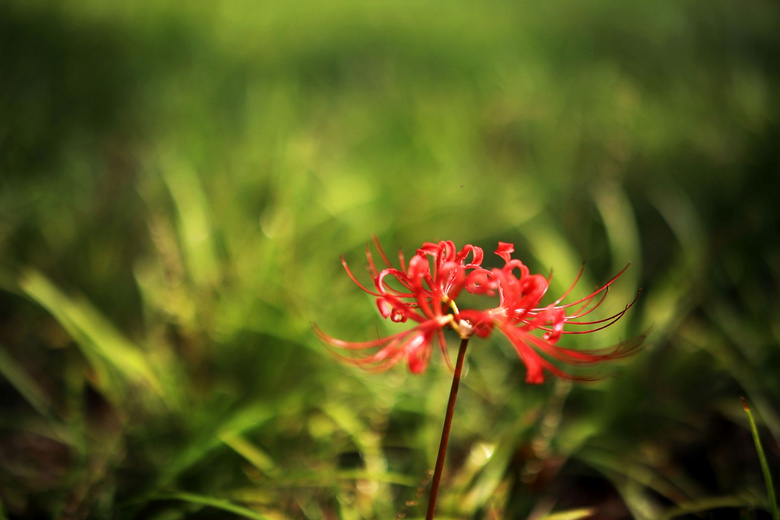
(519, 314)
(426, 290)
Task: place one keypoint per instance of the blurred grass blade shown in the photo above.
(253, 454)
(195, 223)
(633, 478)
(681, 214)
(669, 299)
(770, 489)
(489, 478)
(211, 438)
(24, 384)
(619, 219)
(218, 503)
(554, 251)
(493, 470)
(369, 445)
(706, 504)
(574, 514)
(100, 342)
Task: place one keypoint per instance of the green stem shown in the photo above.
(770, 489)
(445, 432)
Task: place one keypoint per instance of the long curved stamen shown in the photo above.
(582, 311)
(355, 280)
(378, 246)
(372, 269)
(586, 306)
(607, 321)
(566, 293)
(594, 293)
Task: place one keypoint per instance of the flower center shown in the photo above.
(463, 328)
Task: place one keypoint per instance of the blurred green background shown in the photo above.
(178, 180)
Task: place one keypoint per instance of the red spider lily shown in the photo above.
(434, 278)
(519, 314)
(425, 292)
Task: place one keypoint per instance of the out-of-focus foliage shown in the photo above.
(178, 180)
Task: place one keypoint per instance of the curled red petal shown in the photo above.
(415, 345)
(505, 250)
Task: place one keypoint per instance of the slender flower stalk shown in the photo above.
(425, 291)
(445, 432)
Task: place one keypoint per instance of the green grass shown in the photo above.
(770, 489)
(177, 183)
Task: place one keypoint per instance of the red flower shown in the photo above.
(425, 292)
(519, 314)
